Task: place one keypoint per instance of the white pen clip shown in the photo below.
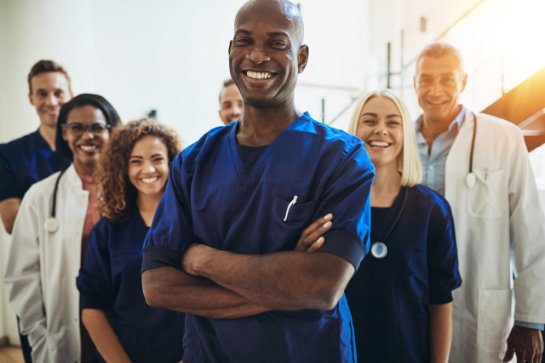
(292, 203)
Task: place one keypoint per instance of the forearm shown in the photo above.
(440, 332)
(173, 289)
(103, 335)
(8, 211)
(285, 280)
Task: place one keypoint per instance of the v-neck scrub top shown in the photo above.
(109, 280)
(212, 198)
(389, 297)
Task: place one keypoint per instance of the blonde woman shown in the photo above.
(400, 298)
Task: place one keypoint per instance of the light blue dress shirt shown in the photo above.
(434, 163)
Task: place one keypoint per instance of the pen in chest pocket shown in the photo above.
(292, 203)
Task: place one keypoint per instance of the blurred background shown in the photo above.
(170, 56)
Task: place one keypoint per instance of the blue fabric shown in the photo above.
(25, 161)
(109, 280)
(212, 198)
(434, 163)
(389, 297)
(536, 326)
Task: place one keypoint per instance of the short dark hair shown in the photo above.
(84, 99)
(226, 83)
(46, 65)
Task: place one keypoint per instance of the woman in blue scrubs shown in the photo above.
(132, 178)
(400, 298)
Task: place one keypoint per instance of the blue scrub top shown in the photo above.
(389, 297)
(109, 280)
(213, 198)
(25, 161)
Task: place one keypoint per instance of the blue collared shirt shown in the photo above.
(434, 162)
(434, 165)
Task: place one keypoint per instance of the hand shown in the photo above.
(526, 343)
(193, 256)
(312, 238)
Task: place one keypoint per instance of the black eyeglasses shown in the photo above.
(77, 128)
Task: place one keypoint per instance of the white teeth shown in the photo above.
(379, 143)
(258, 75)
(149, 180)
(88, 147)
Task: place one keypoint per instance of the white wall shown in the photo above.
(166, 54)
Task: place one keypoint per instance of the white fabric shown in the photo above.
(42, 267)
(500, 231)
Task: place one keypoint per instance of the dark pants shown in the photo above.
(25, 346)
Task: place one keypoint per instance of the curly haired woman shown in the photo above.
(132, 177)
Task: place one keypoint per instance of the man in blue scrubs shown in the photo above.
(31, 158)
(237, 202)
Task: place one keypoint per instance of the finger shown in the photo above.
(319, 232)
(509, 353)
(313, 232)
(521, 355)
(316, 245)
(317, 224)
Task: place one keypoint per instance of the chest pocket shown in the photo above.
(288, 221)
(488, 197)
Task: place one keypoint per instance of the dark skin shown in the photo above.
(199, 296)
(526, 344)
(265, 57)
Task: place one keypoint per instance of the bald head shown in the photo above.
(286, 8)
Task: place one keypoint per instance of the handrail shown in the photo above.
(412, 61)
(532, 118)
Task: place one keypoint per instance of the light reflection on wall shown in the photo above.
(502, 45)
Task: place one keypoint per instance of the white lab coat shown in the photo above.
(500, 231)
(42, 268)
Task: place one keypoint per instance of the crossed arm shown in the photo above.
(224, 285)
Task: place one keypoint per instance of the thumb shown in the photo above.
(509, 354)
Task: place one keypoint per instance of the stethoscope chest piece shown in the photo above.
(471, 179)
(379, 250)
(51, 224)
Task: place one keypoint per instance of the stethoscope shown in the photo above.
(52, 223)
(471, 178)
(379, 249)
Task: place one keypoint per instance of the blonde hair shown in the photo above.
(409, 160)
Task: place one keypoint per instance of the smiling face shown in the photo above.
(265, 55)
(148, 166)
(49, 91)
(438, 83)
(231, 104)
(86, 145)
(380, 126)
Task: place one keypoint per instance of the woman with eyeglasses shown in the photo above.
(50, 235)
(131, 180)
